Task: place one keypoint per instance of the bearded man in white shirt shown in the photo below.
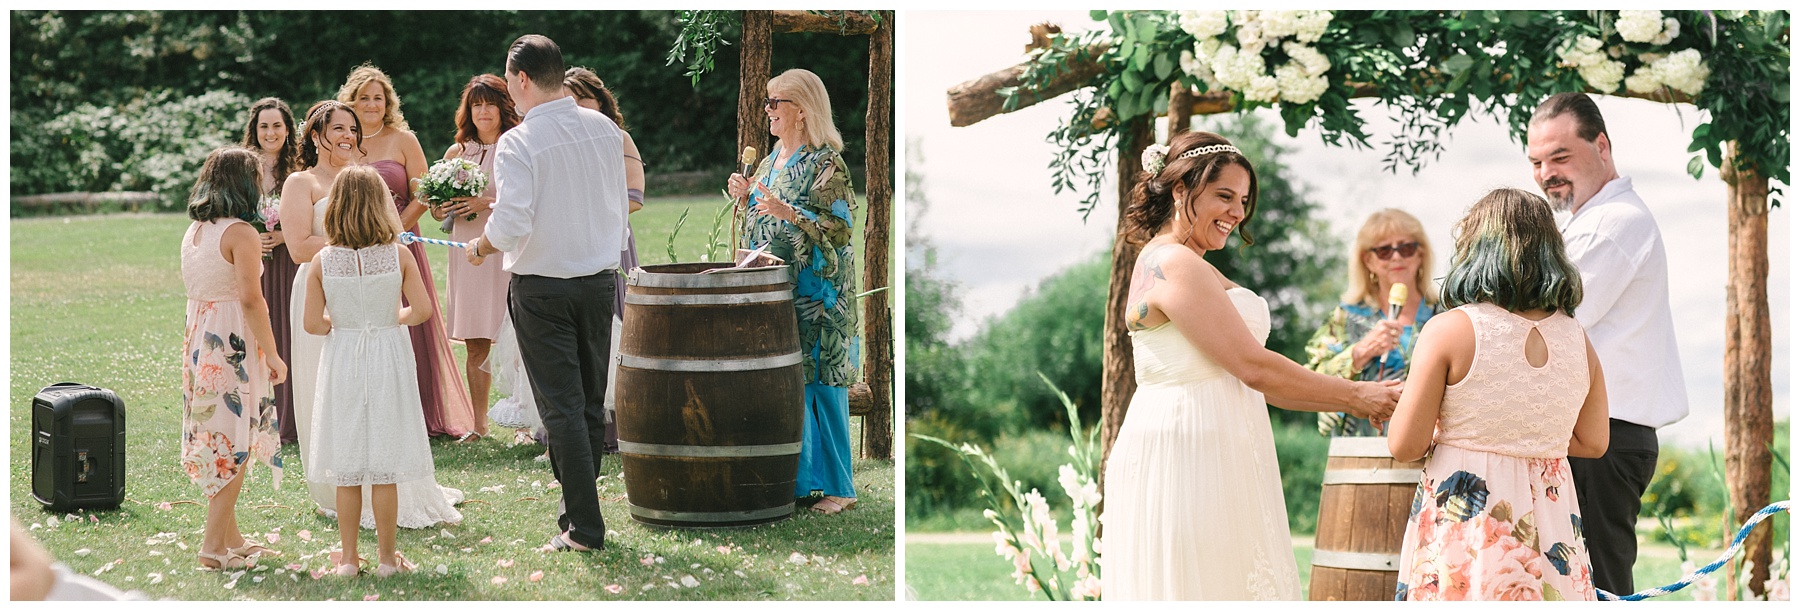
(559, 215)
(1612, 238)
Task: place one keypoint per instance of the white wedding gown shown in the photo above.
(1194, 508)
(423, 503)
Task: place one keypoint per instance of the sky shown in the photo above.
(999, 229)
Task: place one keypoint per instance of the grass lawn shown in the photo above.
(962, 568)
(99, 300)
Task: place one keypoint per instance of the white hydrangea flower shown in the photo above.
(1309, 58)
(1280, 24)
(1604, 76)
(1671, 29)
(1235, 68)
(1205, 50)
(1192, 65)
(1263, 89)
(1297, 86)
(1203, 24)
(1642, 81)
(1312, 26)
(1639, 26)
(1683, 70)
(1583, 51)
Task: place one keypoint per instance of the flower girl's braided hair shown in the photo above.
(317, 118)
(1195, 159)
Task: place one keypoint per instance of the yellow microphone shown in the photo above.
(1396, 301)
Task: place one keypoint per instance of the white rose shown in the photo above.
(1309, 58)
(1203, 24)
(1639, 26)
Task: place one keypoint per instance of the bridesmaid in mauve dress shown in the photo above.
(270, 132)
(392, 149)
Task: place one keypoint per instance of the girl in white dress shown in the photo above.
(368, 428)
(1194, 509)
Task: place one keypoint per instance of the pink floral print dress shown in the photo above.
(1495, 516)
(228, 412)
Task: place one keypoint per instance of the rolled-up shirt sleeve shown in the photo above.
(510, 221)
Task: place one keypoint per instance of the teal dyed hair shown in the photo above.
(1509, 253)
(230, 185)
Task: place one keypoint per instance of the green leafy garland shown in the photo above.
(1430, 67)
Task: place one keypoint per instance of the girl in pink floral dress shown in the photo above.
(1512, 388)
(228, 364)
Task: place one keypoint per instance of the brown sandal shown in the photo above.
(223, 562)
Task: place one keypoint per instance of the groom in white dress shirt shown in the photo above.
(559, 215)
(1612, 238)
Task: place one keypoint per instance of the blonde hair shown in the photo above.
(1363, 287)
(805, 89)
(361, 211)
(360, 78)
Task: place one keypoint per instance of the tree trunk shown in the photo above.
(878, 426)
(1749, 399)
(1181, 112)
(1120, 379)
(753, 83)
(827, 22)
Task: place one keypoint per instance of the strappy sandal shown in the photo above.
(223, 562)
(388, 570)
(345, 569)
(833, 505)
(251, 549)
(559, 543)
(470, 437)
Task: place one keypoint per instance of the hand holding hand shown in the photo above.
(1374, 401)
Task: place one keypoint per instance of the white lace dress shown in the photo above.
(367, 426)
(1194, 509)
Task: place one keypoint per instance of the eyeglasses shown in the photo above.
(775, 103)
(1405, 249)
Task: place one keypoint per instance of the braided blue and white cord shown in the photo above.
(406, 237)
(1736, 543)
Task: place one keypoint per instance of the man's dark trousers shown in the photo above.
(565, 331)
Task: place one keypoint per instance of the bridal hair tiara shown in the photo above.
(1156, 155)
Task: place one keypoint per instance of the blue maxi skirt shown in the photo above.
(825, 443)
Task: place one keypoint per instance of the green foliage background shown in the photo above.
(123, 100)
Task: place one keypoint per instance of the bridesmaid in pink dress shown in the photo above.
(477, 294)
(392, 149)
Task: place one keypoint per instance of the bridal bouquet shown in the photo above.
(1028, 533)
(450, 179)
(268, 218)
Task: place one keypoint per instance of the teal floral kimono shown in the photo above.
(1329, 353)
(815, 181)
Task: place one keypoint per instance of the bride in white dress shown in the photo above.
(1194, 508)
(330, 143)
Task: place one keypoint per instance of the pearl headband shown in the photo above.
(1156, 155)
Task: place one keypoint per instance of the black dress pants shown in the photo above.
(1610, 490)
(565, 331)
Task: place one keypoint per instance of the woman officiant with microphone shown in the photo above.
(1369, 337)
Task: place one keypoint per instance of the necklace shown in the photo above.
(377, 132)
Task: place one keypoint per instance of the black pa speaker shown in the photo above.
(77, 447)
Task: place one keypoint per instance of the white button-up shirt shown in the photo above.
(559, 204)
(1625, 304)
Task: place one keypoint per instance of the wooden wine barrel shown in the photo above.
(1362, 518)
(710, 395)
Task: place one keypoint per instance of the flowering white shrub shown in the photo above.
(1639, 26)
(1312, 26)
(1229, 46)
(1683, 71)
(1587, 56)
(1296, 85)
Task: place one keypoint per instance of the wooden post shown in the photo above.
(1181, 111)
(878, 348)
(1749, 398)
(1119, 379)
(753, 86)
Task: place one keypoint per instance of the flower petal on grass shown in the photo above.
(165, 506)
(487, 539)
(861, 580)
(647, 561)
(689, 581)
(497, 580)
(505, 563)
(443, 569)
(83, 551)
(305, 535)
(723, 549)
(797, 558)
(536, 576)
(615, 589)
(372, 597)
(273, 538)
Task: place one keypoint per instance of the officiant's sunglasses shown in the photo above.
(1386, 251)
(775, 103)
